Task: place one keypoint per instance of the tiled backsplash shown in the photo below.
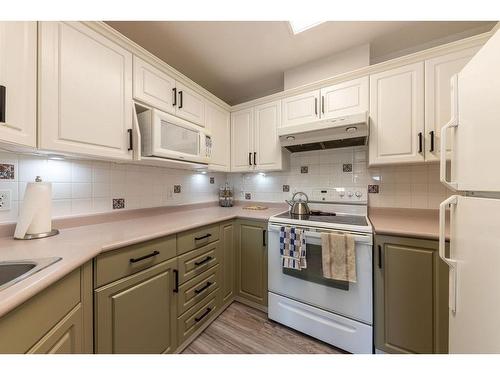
(83, 187)
(415, 186)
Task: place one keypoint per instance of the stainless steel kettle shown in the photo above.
(299, 206)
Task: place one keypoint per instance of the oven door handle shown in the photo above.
(316, 236)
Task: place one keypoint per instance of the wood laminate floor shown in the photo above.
(244, 330)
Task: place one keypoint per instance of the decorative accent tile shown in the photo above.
(118, 203)
(6, 171)
(212, 180)
(286, 188)
(304, 169)
(346, 168)
(373, 189)
(248, 196)
(177, 189)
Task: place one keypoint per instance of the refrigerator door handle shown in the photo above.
(452, 263)
(442, 157)
(453, 123)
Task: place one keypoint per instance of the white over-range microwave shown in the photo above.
(167, 136)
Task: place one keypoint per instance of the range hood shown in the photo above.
(339, 132)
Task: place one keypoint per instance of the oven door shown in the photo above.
(353, 300)
(176, 138)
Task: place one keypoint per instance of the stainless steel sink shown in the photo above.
(14, 271)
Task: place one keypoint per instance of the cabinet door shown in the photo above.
(300, 109)
(137, 314)
(410, 296)
(438, 73)
(85, 92)
(218, 122)
(65, 338)
(18, 76)
(153, 87)
(346, 98)
(267, 147)
(190, 105)
(242, 140)
(228, 261)
(397, 115)
(252, 261)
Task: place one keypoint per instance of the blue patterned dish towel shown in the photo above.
(293, 248)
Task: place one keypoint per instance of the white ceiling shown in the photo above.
(242, 60)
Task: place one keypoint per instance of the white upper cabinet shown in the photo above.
(438, 73)
(153, 87)
(242, 140)
(85, 88)
(255, 144)
(346, 98)
(397, 115)
(300, 109)
(18, 66)
(218, 122)
(190, 105)
(267, 148)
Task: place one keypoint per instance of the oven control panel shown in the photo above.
(342, 194)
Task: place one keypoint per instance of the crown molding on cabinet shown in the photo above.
(375, 68)
(136, 49)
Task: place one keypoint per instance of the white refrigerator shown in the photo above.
(473, 134)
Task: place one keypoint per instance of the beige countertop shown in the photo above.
(406, 222)
(79, 244)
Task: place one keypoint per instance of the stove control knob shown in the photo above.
(358, 194)
(349, 194)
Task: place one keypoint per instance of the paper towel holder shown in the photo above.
(35, 236)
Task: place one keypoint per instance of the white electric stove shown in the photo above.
(337, 312)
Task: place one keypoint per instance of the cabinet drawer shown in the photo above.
(196, 238)
(116, 264)
(194, 318)
(198, 288)
(198, 261)
(28, 323)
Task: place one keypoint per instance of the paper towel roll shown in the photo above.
(36, 212)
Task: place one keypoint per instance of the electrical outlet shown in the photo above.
(5, 200)
(170, 193)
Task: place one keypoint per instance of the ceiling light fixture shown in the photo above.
(299, 26)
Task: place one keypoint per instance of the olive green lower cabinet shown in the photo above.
(157, 296)
(135, 306)
(57, 320)
(137, 314)
(251, 261)
(411, 296)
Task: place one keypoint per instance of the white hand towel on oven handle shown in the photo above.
(338, 256)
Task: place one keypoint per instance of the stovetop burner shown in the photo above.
(322, 213)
